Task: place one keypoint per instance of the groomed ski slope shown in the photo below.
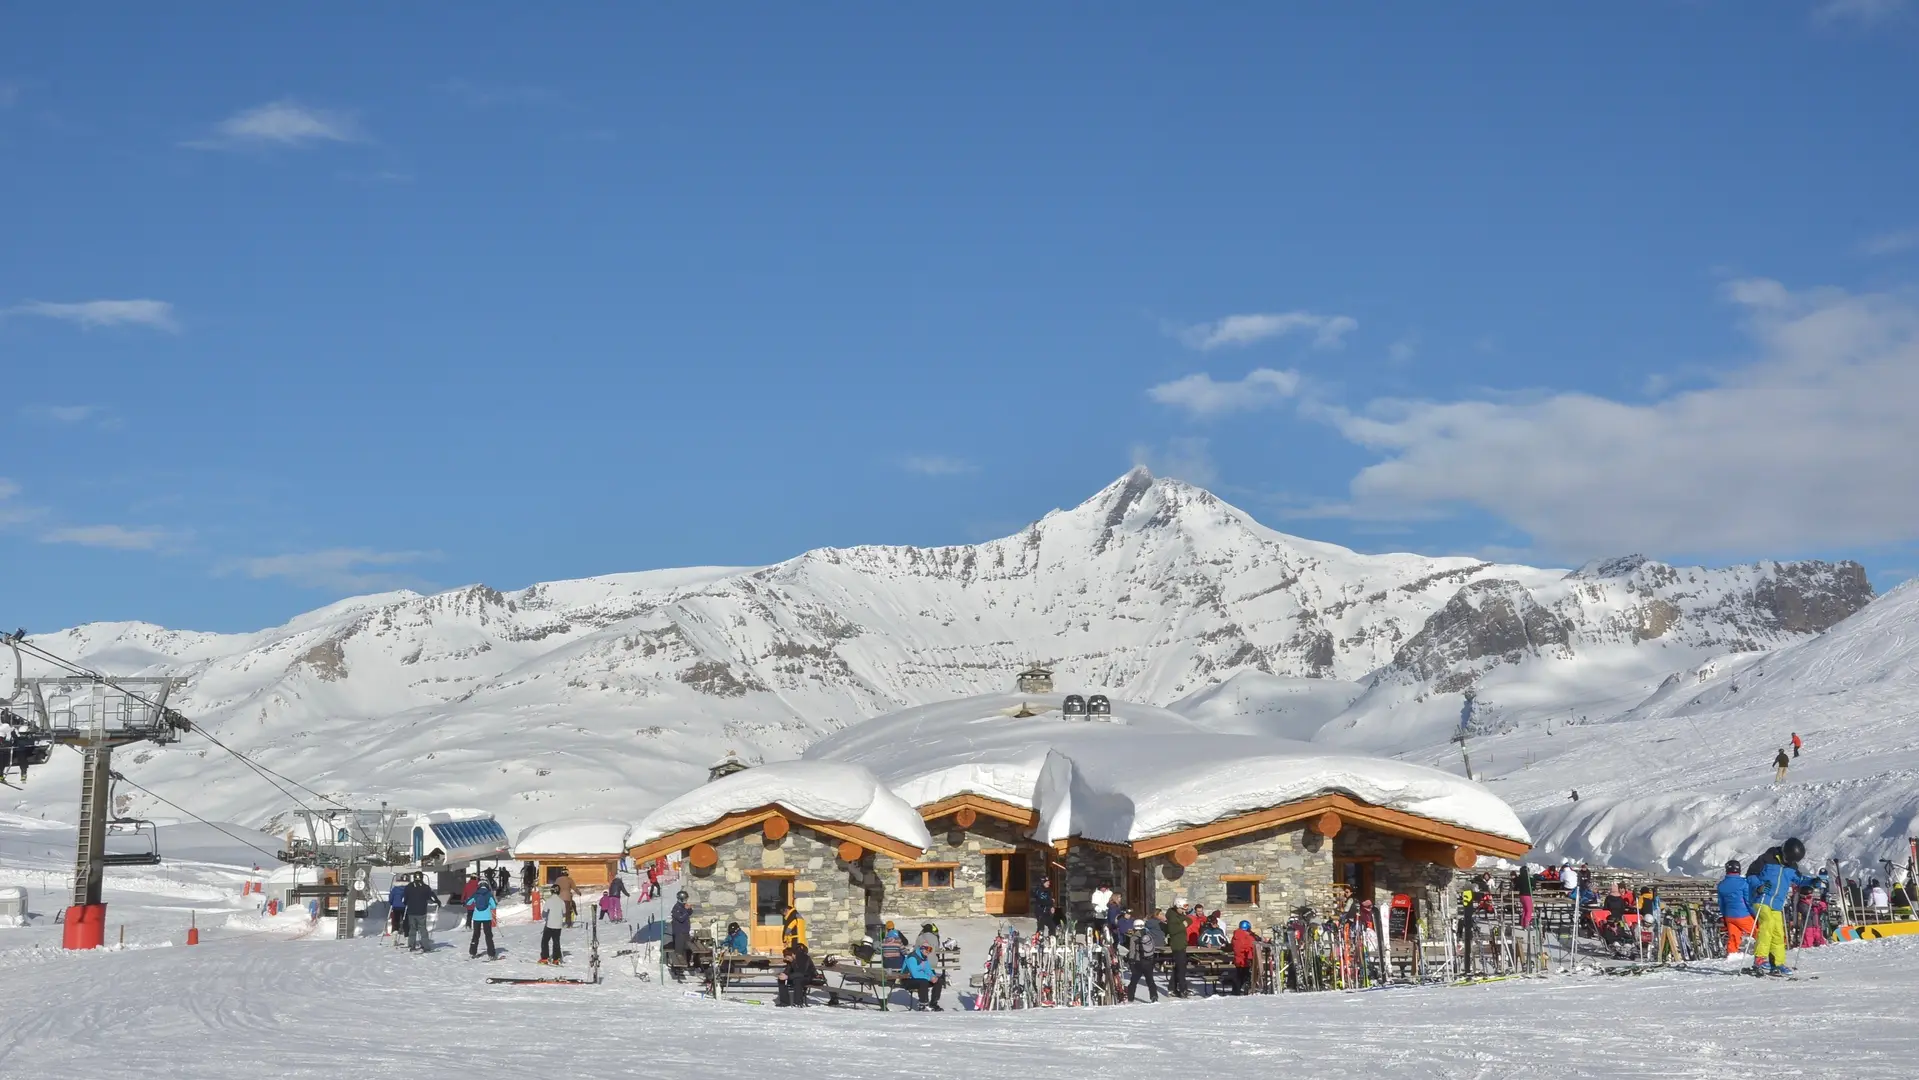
(266, 997)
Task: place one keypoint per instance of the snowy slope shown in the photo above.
(604, 697)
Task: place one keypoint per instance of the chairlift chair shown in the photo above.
(23, 751)
(1097, 705)
(1074, 705)
(131, 842)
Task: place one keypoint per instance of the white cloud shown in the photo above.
(157, 314)
(1329, 331)
(1890, 243)
(481, 95)
(334, 568)
(1403, 350)
(1186, 458)
(281, 123)
(97, 415)
(1815, 444)
(116, 537)
(938, 466)
(1864, 12)
(1202, 395)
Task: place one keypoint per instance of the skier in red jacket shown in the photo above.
(1245, 948)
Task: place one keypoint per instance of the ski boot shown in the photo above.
(1762, 967)
(1780, 971)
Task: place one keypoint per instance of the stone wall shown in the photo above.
(1294, 863)
(837, 899)
(963, 848)
(1086, 867)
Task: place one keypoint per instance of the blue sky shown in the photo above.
(298, 305)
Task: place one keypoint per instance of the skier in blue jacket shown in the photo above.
(918, 977)
(1735, 907)
(1771, 882)
(482, 906)
(396, 908)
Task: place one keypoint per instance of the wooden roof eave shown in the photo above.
(1378, 818)
(746, 819)
(1023, 816)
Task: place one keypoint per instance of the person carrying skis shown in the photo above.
(892, 948)
(396, 908)
(419, 901)
(1145, 939)
(1796, 744)
(681, 923)
(1772, 879)
(1245, 951)
(919, 977)
(1779, 763)
(480, 908)
(552, 921)
(1735, 907)
(1177, 941)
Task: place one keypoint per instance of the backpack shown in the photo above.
(482, 899)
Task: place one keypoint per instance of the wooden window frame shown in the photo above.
(926, 869)
(1254, 880)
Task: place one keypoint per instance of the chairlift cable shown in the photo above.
(264, 772)
(238, 839)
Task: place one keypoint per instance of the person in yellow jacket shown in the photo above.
(793, 929)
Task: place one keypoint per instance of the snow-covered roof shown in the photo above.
(1140, 773)
(572, 836)
(824, 791)
(453, 813)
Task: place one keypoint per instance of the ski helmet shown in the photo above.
(1244, 925)
(1793, 849)
(1732, 866)
(682, 895)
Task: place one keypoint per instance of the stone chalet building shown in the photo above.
(971, 808)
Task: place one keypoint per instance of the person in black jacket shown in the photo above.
(799, 974)
(529, 877)
(420, 900)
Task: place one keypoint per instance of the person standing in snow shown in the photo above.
(1772, 880)
(529, 877)
(1575, 794)
(1735, 907)
(419, 902)
(466, 895)
(480, 908)
(681, 929)
(1796, 744)
(1102, 901)
(396, 908)
(1177, 942)
(567, 891)
(1146, 938)
(616, 893)
(1523, 885)
(1041, 901)
(552, 921)
(1245, 951)
(1779, 763)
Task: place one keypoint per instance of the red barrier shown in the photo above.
(86, 927)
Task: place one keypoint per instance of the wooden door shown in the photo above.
(771, 897)
(1006, 883)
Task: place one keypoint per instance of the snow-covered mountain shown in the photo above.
(607, 695)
